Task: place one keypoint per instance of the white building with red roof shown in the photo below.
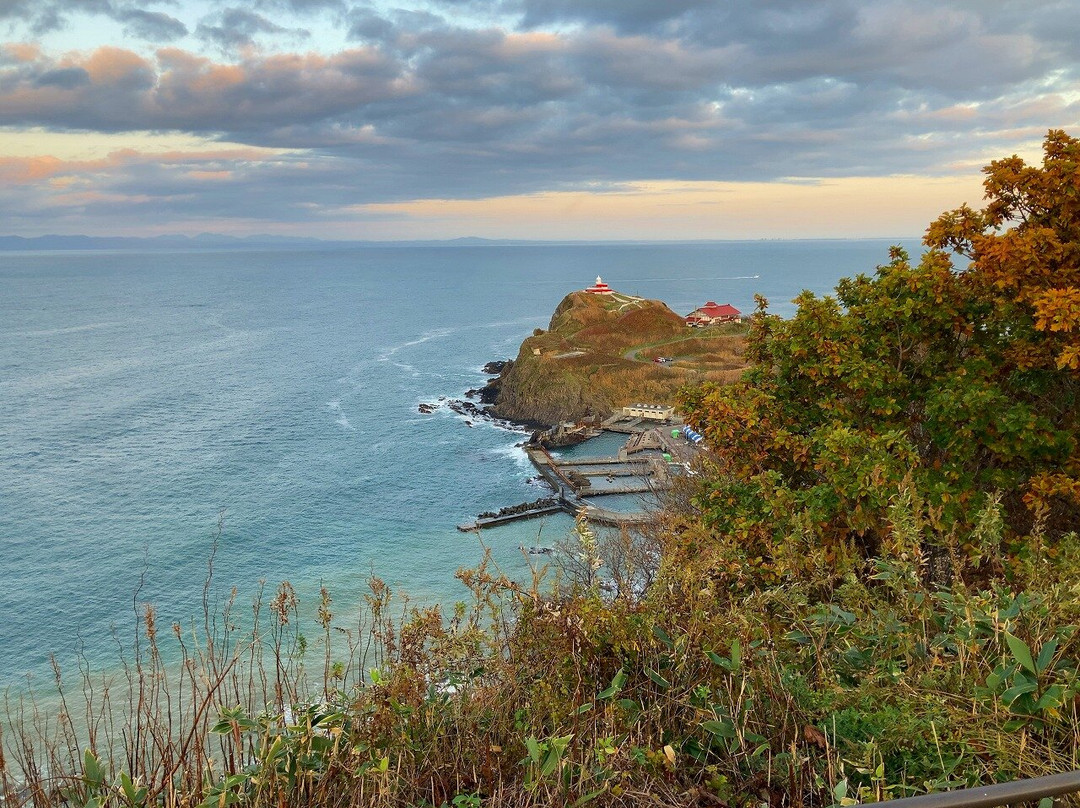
(713, 313)
(600, 288)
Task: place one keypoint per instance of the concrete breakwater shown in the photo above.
(646, 464)
(512, 513)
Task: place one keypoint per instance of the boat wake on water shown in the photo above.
(427, 336)
(668, 280)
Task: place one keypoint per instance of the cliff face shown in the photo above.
(596, 356)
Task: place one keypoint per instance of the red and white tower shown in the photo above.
(600, 288)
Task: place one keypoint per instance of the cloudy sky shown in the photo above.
(657, 119)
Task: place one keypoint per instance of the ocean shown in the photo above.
(154, 405)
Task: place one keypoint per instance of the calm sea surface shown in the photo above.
(146, 398)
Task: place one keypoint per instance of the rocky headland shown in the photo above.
(602, 352)
(599, 353)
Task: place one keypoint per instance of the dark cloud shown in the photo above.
(181, 91)
(623, 15)
(368, 25)
(45, 16)
(302, 6)
(576, 94)
(66, 78)
(39, 17)
(237, 27)
(151, 25)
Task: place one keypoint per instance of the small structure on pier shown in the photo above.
(600, 288)
(651, 412)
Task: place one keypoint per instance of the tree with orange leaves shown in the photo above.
(952, 389)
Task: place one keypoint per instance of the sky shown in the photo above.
(536, 119)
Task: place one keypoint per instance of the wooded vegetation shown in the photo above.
(953, 387)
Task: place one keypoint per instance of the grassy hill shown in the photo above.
(596, 355)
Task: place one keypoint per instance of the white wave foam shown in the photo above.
(513, 452)
(334, 405)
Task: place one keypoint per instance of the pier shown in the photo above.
(503, 518)
(574, 479)
(655, 451)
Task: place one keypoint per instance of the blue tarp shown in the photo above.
(691, 435)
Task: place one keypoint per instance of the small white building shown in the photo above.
(653, 412)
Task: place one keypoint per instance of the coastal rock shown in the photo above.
(466, 408)
(487, 394)
(427, 409)
(473, 414)
(496, 367)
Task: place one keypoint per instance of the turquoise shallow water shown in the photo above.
(146, 397)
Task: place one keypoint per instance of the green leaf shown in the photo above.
(844, 617)
(1021, 653)
(1051, 699)
(274, 750)
(663, 636)
(533, 748)
(1018, 690)
(551, 760)
(92, 771)
(840, 790)
(584, 708)
(736, 654)
(615, 686)
(716, 659)
(587, 798)
(1046, 655)
(660, 681)
(722, 729)
(629, 705)
(136, 796)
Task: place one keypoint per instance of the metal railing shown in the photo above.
(1033, 790)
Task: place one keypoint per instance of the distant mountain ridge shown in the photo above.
(201, 241)
(218, 241)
